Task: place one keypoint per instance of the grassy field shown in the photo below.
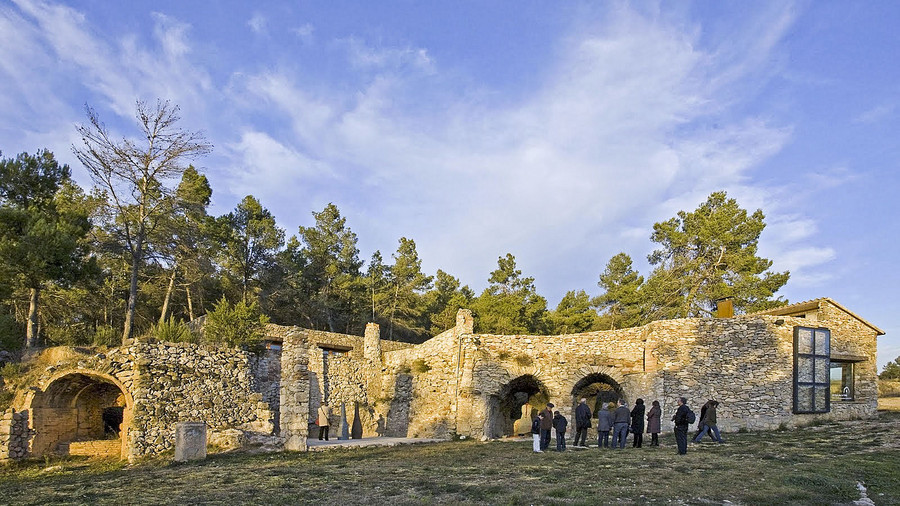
(820, 464)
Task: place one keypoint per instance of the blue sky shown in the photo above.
(557, 131)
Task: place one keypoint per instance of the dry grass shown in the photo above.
(813, 465)
(889, 403)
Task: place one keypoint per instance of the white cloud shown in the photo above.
(306, 33)
(876, 114)
(258, 23)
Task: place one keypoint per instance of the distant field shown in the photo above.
(889, 403)
(821, 464)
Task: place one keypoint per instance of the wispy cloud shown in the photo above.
(258, 23)
(876, 114)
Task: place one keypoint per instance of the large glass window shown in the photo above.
(842, 381)
(812, 370)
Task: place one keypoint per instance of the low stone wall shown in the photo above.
(99, 448)
(14, 435)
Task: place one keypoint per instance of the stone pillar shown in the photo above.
(190, 441)
(465, 323)
(294, 412)
(15, 435)
(372, 343)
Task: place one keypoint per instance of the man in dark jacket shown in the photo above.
(620, 424)
(681, 425)
(546, 425)
(560, 424)
(582, 423)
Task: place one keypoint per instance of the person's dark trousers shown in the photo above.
(603, 439)
(545, 439)
(638, 440)
(560, 441)
(323, 431)
(654, 439)
(681, 438)
(621, 435)
(581, 433)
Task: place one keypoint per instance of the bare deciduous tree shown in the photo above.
(138, 178)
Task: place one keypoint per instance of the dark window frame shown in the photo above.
(851, 383)
(815, 357)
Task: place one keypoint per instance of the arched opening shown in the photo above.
(81, 414)
(599, 390)
(515, 405)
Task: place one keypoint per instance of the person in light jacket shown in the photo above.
(604, 424)
(653, 417)
(322, 417)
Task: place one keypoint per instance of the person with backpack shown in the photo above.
(708, 423)
(683, 417)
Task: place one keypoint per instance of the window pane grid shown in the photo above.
(812, 370)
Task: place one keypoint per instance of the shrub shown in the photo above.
(420, 366)
(523, 360)
(106, 335)
(238, 325)
(171, 331)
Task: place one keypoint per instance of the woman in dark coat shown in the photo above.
(637, 423)
(653, 417)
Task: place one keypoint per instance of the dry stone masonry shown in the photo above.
(129, 400)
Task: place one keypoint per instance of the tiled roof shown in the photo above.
(815, 304)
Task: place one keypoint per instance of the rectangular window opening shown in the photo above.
(842, 381)
(813, 372)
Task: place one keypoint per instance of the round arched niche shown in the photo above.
(517, 401)
(599, 389)
(81, 413)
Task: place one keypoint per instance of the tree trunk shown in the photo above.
(187, 292)
(132, 294)
(31, 333)
(165, 307)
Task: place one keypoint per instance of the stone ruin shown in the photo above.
(127, 402)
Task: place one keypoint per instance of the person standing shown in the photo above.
(322, 417)
(582, 423)
(546, 425)
(708, 422)
(653, 423)
(682, 420)
(620, 425)
(604, 424)
(560, 424)
(637, 423)
(536, 432)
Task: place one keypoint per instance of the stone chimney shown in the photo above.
(372, 343)
(724, 308)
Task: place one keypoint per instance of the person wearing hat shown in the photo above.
(546, 426)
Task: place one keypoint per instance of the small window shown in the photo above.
(812, 370)
(841, 381)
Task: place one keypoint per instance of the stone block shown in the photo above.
(190, 441)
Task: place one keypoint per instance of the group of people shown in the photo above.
(618, 421)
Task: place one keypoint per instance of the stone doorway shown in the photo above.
(599, 389)
(81, 413)
(513, 408)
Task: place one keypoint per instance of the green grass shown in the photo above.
(812, 465)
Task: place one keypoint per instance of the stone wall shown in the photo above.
(14, 435)
(295, 390)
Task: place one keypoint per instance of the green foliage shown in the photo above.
(420, 366)
(106, 336)
(511, 304)
(445, 300)
(891, 370)
(173, 331)
(621, 302)
(574, 314)
(708, 254)
(406, 285)
(239, 325)
(11, 333)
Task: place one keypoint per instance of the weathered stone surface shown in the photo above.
(190, 441)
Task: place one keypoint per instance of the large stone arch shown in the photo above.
(505, 414)
(599, 385)
(82, 412)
